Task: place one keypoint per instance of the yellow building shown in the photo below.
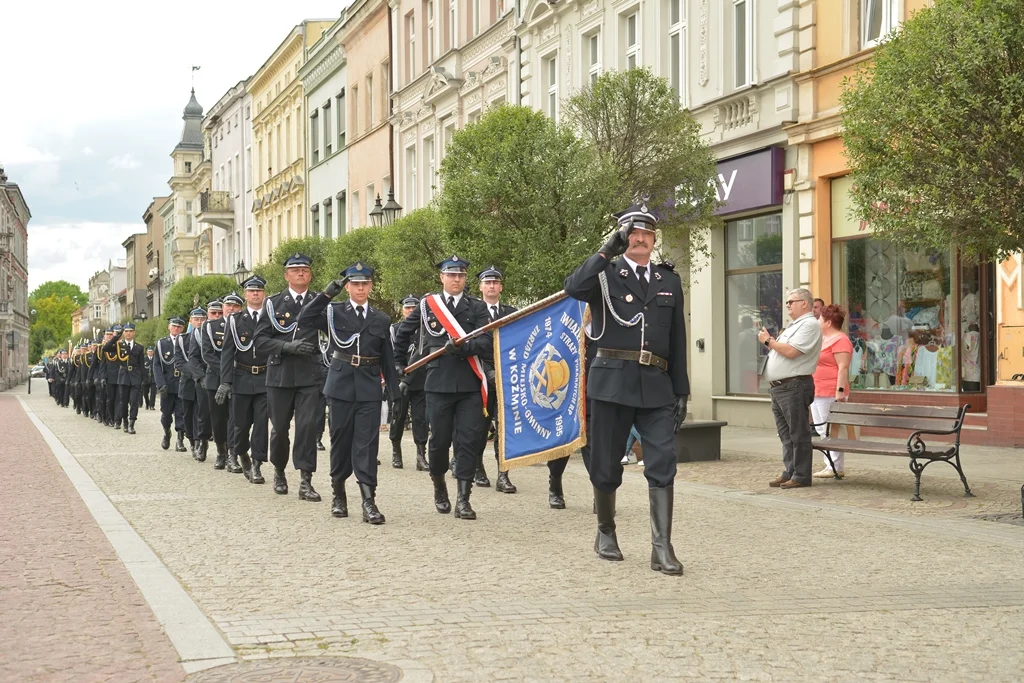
(279, 140)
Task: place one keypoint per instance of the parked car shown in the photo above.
(38, 371)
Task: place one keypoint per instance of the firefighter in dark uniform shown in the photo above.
(88, 360)
(293, 380)
(638, 375)
(207, 356)
(201, 353)
(187, 383)
(111, 369)
(94, 386)
(243, 382)
(60, 372)
(129, 378)
(360, 345)
(410, 402)
(455, 383)
(490, 289)
(167, 379)
(323, 367)
(148, 384)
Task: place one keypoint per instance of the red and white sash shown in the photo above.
(455, 331)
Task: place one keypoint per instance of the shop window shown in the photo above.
(754, 294)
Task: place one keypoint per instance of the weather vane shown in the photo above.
(194, 70)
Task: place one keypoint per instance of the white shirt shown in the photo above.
(254, 313)
(493, 309)
(457, 297)
(803, 334)
(296, 295)
(633, 266)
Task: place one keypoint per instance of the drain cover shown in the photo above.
(301, 670)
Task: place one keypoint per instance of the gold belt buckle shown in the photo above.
(130, 368)
(354, 361)
(254, 369)
(177, 373)
(645, 358)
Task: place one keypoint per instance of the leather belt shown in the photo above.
(251, 369)
(356, 361)
(642, 357)
(780, 382)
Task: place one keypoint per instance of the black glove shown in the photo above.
(616, 244)
(223, 394)
(334, 289)
(455, 351)
(298, 348)
(403, 388)
(103, 383)
(679, 413)
(162, 391)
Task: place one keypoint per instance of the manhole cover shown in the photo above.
(301, 670)
(1011, 518)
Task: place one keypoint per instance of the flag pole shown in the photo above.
(500, 322)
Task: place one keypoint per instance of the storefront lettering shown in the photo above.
(723, 188)
(751, 181)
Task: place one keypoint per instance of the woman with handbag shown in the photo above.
(831, 379)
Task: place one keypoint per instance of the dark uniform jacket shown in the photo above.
(164, 371)
(286, 370)
(96, 370)
(242, 379)
(129, 361)
(447, 374)
(346, 382)
(111, 364)
(60, 371)
(187, 382)
(147, 370)
(663, 329)
(416, 379)
(204, 357)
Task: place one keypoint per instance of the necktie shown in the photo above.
(451, 303)
(255, 317)
(641, 272)
(298, 300)
(494, 312)
(359, 313)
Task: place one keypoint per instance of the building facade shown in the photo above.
(14, 311)
(181, 227)
(99, 302)
(324, 83)
(136, 306)
(279, 140)
(155, 291)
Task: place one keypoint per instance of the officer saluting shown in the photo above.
(637, 377)
(130, 358)
(360, 345)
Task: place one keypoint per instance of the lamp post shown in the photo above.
(377, 214)
(392, 209)
(241, 273)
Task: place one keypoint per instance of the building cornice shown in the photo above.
(289, 48)
(314, 73)
(833, 67)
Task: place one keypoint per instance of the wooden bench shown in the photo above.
(698, 441)
(919, 420)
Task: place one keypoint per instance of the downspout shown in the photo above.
(519, 57)
(391, 103)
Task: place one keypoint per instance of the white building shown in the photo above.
(323, 84)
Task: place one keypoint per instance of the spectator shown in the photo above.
(630, 457)
(832, 378)
(818, 305)
(792, 359)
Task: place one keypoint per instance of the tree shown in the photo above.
(408, 252)
(635, 120)
(527, 196)
(316, 248)
(51, 323)
(360, 245)
(182, 296)
(933, 130)
(59, 288)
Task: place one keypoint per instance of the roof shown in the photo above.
(192, 130)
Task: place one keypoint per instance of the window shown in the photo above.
(430, 32)
(449, 133)
(410, 178)
(369, 102)
(340, 106)
(453, 26)
(315, 213)
(287, 158)
(188, 167)
(753, 281)
(370, 198)
(355, 210)
(278, 157)
(328, 140)
(677, 48)
(410, 39)
(355, 110)
(473, 117)
(188, 218)
(97, 311)
(314, 136)
(248, 167)
(385, 89)
(592, 49)
(630, 26)
(743, 39)
(476, 18)
(328, 219)
(550, 70)
(231, 178)
(342, 212)
(430, 180)
(248, 111)
(877, 20)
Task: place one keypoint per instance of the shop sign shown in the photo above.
(751, 181)
(843, 223)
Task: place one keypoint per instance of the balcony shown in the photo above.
(216, 207)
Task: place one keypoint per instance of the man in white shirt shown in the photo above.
(792, 359)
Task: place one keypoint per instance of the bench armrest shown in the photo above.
(915, 444)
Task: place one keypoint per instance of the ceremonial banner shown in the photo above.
(540, 382)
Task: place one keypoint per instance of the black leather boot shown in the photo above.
(201, 445)
(232, 465)
(192, 447)
(166, 442)
(131, 427)
(320, 444)
(556, 499)
(257, 476)
(306, 490)
(117, 424)
(480, 478)
(339, 505)
(606, 545)
(280, 481)
(246, 465)
(663, 557)
(222, 457)
(396, 457)
(180, 445)
(504, 484)
(370, 512)
(124, 425)
(463, 510)
(441, 502)
(421, 458)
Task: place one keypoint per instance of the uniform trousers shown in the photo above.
(414, 403)
(557, 467)
(149, 393)
(101, 399)
(249, 415)
(87, 400)
(456, 418)
(203, 428)
(321, 416)
(171, 404)
(219, 417)
(128, 399)
(110, 401)
(283, 403)
(609, 426)
(355, 439)
(189, 417)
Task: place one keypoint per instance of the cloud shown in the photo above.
(74, 251)
(17, 152)
(125, 161)
(87, 151)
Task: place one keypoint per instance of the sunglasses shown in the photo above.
(793, 301)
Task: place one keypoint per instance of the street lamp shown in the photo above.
(241, 273)
(377, 214)
(392, 209)
(140, 316)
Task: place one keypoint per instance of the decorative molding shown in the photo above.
(496, 86)
(472, 81)
(409, 136)
(702, 77)
(590, 8)
(496, 66)
(473, 98)
(324, 68)
(439, 83)
(497, 35)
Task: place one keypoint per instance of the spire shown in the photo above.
(192, 130)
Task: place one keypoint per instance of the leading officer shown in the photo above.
(638, 375)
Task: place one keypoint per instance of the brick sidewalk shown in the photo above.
(68, 608)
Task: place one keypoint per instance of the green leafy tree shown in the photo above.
(59, 288)
(527, 196)
(51, 323)
(360, 245)
(182, 296)
(933, 129)
(634, 119)
(408, 252)
(316, 248)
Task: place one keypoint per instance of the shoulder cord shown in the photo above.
(234, 335)
(198, 333)
(269, 306)
(347, 344)
(160, 352)
(602, 277)
(423, 319)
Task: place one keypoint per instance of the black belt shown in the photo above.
(252, 369)
(780, 382)
(356, 361)
(643, 357)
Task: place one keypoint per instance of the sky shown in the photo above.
(91, 104)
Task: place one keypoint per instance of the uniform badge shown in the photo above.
(657, 276)
(629, 298)
(623, 272)
(243, 338)
(287, 315)
(433, 324)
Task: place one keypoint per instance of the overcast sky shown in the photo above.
(91, 102)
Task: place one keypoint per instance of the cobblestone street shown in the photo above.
(843, 581)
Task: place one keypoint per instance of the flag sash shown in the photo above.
(455, 331)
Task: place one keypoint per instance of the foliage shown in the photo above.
(181, 297)
(933, 130)
(59, 288)
(316, 248)
(360, 244)
(148, 331)
(407, 253)
(634, 119)
(527, 196)
(51, 324)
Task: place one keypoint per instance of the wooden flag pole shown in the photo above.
(500, 322)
